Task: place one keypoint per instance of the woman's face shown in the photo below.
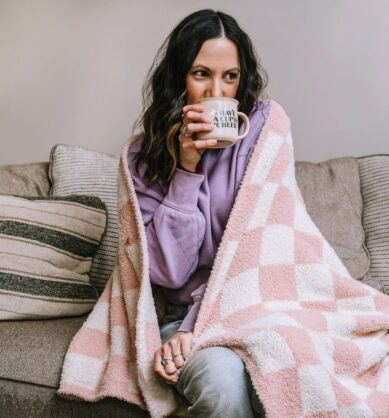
(215, 71)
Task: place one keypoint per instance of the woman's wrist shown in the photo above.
(191, 168)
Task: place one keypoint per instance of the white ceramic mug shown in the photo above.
(224, 113)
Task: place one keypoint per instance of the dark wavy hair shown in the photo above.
(164, 89)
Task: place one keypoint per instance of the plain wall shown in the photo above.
(72, 71)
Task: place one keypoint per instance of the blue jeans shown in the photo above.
(214, 380)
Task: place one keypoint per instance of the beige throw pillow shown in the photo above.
(76, 170)
(332, 195)
(46, 251)
(374, 172)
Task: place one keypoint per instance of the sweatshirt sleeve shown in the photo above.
(175, 227)
(189, 321)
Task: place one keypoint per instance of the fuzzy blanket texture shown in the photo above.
(314, 340)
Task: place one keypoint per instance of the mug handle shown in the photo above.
(246, 124)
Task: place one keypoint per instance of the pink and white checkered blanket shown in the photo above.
(314, 341)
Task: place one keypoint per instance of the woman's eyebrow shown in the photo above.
(203, 66)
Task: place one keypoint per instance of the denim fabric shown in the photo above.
(214, 380)
(172, 320)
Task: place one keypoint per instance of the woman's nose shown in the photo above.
(216, 88)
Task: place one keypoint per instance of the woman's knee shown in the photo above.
(215, 370)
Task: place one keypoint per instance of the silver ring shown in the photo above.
(186, 132)
(177, 355)
(165, 361)
(184, 122)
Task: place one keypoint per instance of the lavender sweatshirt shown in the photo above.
(185, 220)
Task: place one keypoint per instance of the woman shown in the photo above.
(186, 191)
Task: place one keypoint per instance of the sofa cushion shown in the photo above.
(332, 195)
(75, 170)
(23, 400)
(46, 250)
(32, 353)
(374, 173)
(25, 179)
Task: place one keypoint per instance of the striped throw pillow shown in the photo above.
(46, 251)
(374, 175)
(75, 170)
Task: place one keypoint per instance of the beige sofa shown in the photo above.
(32, 351)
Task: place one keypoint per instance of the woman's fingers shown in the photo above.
(176, 349)
(204, 143)
(191, 115)
(180, 343)
(198, 144)
(195, 107)
(191, 150)
(179, 361)
(188, 130)
(186, 343)
(199, 127)
(158, 368)
(167, 354)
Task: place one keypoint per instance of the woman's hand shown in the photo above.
(191, 150)
(179, 343)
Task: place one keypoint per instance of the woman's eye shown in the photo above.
(200, 73)
(231, 76)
